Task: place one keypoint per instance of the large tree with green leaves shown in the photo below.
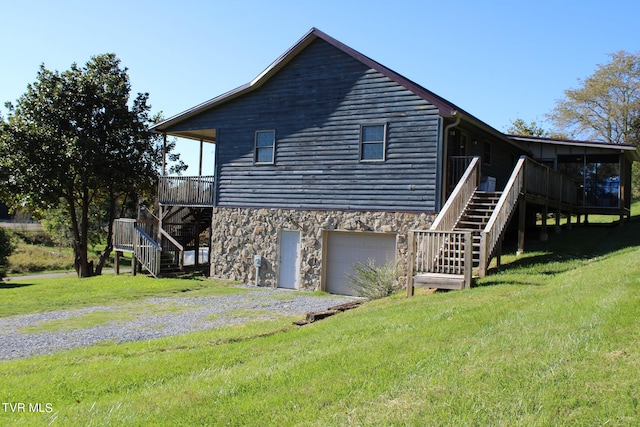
(76, 140)
(605, 105)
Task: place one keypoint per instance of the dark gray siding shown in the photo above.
(316, 105)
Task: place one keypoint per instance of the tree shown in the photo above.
(606, 104)
(519, 127)
(74, 140)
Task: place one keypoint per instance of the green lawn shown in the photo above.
(33, 296)
(552, 338)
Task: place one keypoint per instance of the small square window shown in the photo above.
(372, 142)
(265, 146)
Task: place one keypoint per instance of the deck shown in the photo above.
(187, 191)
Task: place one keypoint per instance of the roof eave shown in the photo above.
(629, 150)
(445, 108)
(241, 90)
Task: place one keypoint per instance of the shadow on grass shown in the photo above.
(555, 256)
(4, 285)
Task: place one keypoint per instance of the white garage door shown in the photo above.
(344, 249)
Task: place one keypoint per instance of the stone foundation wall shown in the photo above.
(240, 233)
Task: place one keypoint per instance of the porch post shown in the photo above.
(200, 168)
(544, 236)
(117, 262)
(164, 154)
(412, 254)
(521, 224)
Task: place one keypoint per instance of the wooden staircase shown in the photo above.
(181, 232)
(475, 218)
(469, 229)
(185, 211)
(182, 227)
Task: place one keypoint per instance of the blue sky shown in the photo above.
(498, 60)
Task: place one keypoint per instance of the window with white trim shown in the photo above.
(265, 146)
(373, 142)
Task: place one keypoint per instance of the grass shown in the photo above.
(38, 295)
(35, 252)
(551, 338)
(29, 258)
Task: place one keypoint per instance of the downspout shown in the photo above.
(445, 162)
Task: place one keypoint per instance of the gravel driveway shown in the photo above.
(42, 333)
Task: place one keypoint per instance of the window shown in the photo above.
(486, 153)
(372, 142)
(265, 146)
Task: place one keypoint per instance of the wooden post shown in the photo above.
(521, 224)
(198, 217)
(484, 256)
(200, 169)
(164, 154)
(468, 259)
(544, 236)
(117, 262)
(411, 251)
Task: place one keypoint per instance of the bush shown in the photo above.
(375, 281)
(6, 249)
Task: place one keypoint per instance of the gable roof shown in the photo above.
(446, 108)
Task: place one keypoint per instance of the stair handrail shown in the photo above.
(171, 239)
(459, 198)
(501, 214)
(147, 251)
(176, 244)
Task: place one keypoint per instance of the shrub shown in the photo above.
(375, 281)
(6, 248)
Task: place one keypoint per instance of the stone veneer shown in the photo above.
(240, 233)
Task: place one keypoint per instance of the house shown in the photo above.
(328, 158)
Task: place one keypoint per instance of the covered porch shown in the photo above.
(601, 170)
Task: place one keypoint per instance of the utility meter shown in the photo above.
(257, 260)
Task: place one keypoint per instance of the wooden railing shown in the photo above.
(186, 190)
(147, 251)
(457, 201)
(501, 215)
(457, 166)
(528, 178)
(128, 236)
(545, 182)
(441, 252)
(123, 234)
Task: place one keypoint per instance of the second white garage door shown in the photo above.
(344, 249)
